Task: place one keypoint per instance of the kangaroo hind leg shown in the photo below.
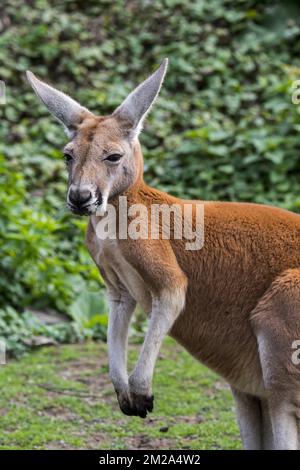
(249, 419)
(276, 323)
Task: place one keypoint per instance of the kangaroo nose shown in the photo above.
(79, 197)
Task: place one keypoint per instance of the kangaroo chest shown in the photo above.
(117, 271)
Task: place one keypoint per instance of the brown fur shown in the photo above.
(247, 249)
(241, 313)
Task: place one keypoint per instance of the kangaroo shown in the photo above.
(234, 304)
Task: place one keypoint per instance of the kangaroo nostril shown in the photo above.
(79, 197)
(85, 196)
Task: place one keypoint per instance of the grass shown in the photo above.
(62, 398)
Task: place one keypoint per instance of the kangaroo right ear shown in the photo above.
(135, 107)
(64, 108)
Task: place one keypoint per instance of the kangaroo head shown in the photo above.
(100, 154)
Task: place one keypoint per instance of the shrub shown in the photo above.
(223, 128)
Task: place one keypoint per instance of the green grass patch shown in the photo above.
(62, 398)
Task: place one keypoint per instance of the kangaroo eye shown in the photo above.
(114, 158)
(68, 158)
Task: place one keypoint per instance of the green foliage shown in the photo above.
(37, 246)
(224, 126)
(90, 314)
(40, 269)
(22, 332)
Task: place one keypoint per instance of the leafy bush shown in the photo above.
(39, 269)
(22, 332)
(223, 128)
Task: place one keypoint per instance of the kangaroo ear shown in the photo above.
(135, 107)
(64, 108)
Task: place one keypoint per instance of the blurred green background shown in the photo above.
(224, 127)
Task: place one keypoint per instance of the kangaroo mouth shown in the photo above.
(86, 210)
(81, 212)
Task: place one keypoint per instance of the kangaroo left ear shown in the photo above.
(64, 108)
(135, 107)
